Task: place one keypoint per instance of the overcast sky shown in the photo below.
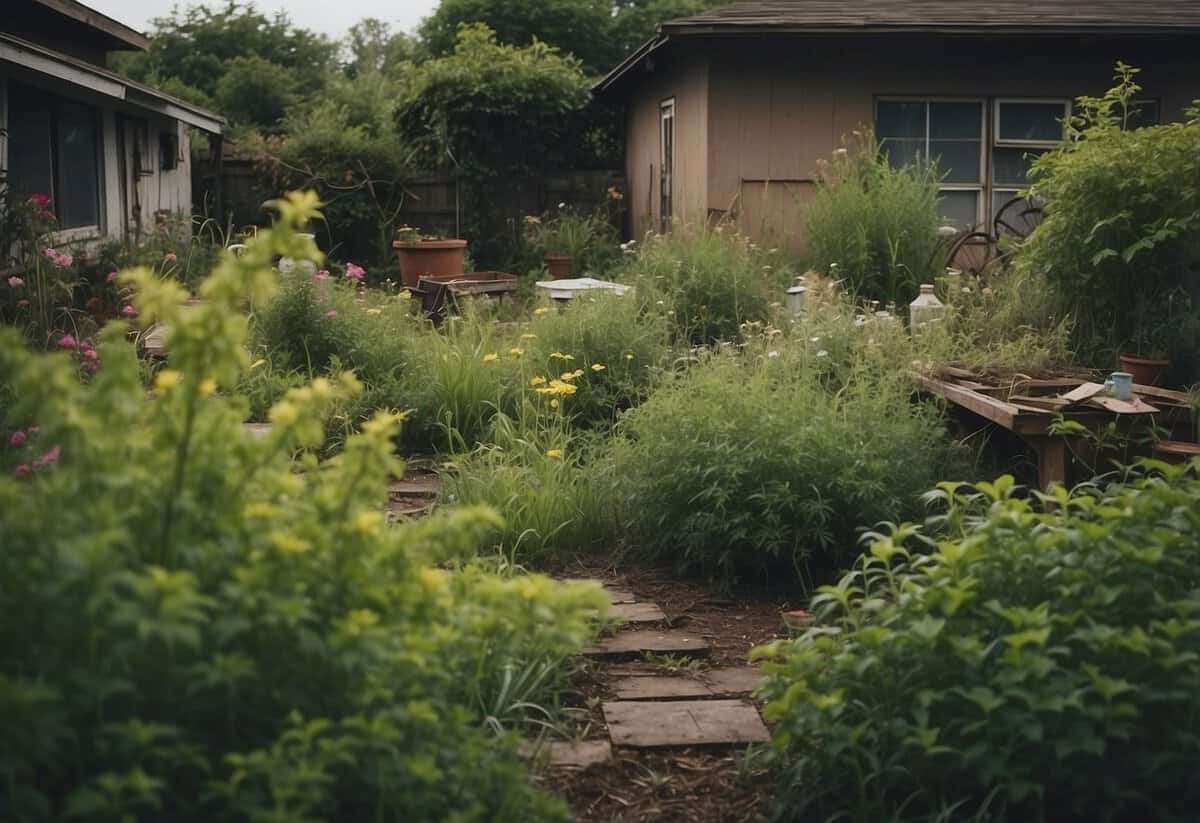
(329, 16)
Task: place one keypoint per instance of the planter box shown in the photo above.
(429, 258)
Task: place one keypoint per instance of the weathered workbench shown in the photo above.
(1028, 407)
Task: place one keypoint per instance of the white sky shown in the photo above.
(331, 17)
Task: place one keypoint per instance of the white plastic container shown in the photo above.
(925, 309)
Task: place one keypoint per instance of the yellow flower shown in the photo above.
(597, 367)
(537, 381)
(554, 404)
(628, 356)
(405, 294)
(166, 380)
(528, 336)
(367, 523)
(577, 373)
(558, 387)
(207, 387)
(555, 454)
(515, 352)
(289, 543)
(541, 310)
(284, 413)
(322, 389)
(433, 581)
(491, 358)
(560, 356)
(567, 376)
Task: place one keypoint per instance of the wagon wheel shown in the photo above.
(987, 248)
(1017, 219)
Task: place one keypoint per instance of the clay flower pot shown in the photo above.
(429, 258)
(560, 265)
(1146, 371)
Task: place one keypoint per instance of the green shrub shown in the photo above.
(198, 627)
(1037, 663)
(873, 226)
(1119, 236)
(776, 456)
(708, 282)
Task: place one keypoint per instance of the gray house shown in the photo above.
(111, 154)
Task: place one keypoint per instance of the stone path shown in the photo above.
(657, 710)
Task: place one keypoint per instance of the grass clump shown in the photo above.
(1036, 663)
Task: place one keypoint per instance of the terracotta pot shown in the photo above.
(1146, 371)
(1176, 451)
(429, 258)
(560, 265)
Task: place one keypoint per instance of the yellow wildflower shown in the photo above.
(367, 523)
(207, 387)
(567, 376)
(554, 454)
(288, 543)
(166, 380)
(537, 381)
(322, 389)
(558, 387)
(491, 358)
(434, 581)
(577, 373)
(628, 356)
(515, 352)
(560, 356)
(554, 404)
(541, 310)
(597, 367)
(284, 413)
(405, 294)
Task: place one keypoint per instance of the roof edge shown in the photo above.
(686, 28)
(636, 56)
(115, 29)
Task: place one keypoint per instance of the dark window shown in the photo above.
(54, 149)
(168, 150)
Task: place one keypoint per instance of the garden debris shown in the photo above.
(649, 724)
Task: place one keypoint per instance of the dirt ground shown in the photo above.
(692, 784)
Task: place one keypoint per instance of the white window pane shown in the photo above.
(957, 161)
(1031, 121)
(959, 208)
(900, 119)
(955, 121)
(1010, 165)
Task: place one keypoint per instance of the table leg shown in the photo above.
(1051, 458)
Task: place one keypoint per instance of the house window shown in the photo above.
(1022, 132)
(947, 132)
(666, 160)
(54, 149)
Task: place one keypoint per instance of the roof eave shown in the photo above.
(125, 37)
(683, 28)
(625, 66)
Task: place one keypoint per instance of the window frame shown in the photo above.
(980, 188)
(997, 102)
(667, 110)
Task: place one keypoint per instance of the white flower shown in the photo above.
(772, 354)
(822, 353)
(814, 340)
(562, 205)
(658, 302)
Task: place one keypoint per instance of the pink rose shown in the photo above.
(15, 282)
(65, 260)
(22, 471)
(331, 313)
(128, 311)
(47, 459)
(90, 354)
(66, 342)
(17, 440)
(355, 273)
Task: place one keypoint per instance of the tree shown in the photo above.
(256, 92)
(373, 47)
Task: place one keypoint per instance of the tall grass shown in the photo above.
(874, 225)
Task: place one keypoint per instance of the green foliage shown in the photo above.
(255, 92)
(200, 627)
(1119, 234)
(590, 240)
(872, 226)
(1037, 663)
(709, 280)
(774, 457)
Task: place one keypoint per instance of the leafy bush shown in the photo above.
(1119, 236)
(590, 240)
(747, 463)
(256, 92)
(874, 225)
(1034, 664)
(198, 627)
(707, 281)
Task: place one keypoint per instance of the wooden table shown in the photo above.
(1029, 407)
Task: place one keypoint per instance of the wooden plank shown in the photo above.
(655, 724)
(659, 687)
(637, 612)
(1182, 398)
(568, 754)
(665, 642)
(427, 485)
(999, 412)
(1085, 392)
(1046, 403)
(1134, 406)
(733, 680)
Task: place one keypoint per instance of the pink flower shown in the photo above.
(17, 440)
(51, 253)
(66, 342)
(355, 273)
(90, 354)
(331, 313)
(111, 278)
(15, 282)
(59, 258)
(47, 459)
(65, 260)
(22, 471)
(321, 275)
(128, 311)
(40, 200)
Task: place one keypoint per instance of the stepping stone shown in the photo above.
(428, 485)
(637, 612)
(654, 724)
(650, 641)
(713, 683)
(257, 430)
(566, 754)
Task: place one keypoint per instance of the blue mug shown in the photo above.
(1120, 385)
